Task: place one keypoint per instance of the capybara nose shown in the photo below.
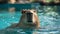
(29, 17)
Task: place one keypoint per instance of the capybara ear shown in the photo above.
(23, 11)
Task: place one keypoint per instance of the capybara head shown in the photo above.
(30, 16)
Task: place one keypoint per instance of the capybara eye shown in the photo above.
(23, 11)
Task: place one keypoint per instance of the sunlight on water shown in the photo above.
(6, 19)
(49, 22)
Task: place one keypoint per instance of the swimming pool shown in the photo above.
(48, 16)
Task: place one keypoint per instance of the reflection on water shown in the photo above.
(49, 17)
(29, 31)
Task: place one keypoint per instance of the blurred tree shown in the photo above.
(3, 1)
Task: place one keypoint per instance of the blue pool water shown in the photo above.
(49, 22)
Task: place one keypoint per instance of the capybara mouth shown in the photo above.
(31, 24)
